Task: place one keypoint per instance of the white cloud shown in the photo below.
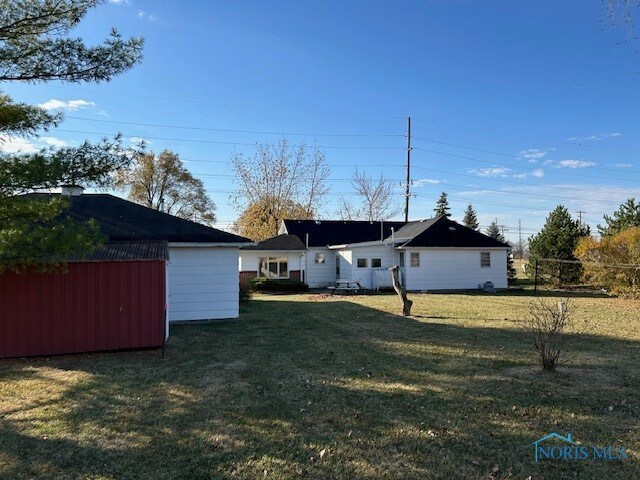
(53, 142)
(11, 144)
(120, 2)
(534, 154)
(623, 165)
(139, 140)
(490, 172)
(539, 173)
(142, 15)
(425, 181)
(55, 104)
(595, 136)
(575, 164)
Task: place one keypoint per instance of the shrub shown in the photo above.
(276, 285)
(245, 293)
(547, 323)
(612, 262)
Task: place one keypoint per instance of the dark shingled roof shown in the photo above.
(279, 242)
(338, 232)
(121, 220)
(125, 252)
(442, 232)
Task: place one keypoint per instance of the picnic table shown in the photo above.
(343, 285)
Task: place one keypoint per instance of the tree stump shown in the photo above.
(402, 293)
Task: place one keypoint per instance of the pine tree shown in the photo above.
(493, 230)
(442, 206)
(470, 218)
(627, 216)
(34, 47)
(557, 241)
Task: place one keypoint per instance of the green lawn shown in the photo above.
(315, 387)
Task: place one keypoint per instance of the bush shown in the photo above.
(547, 324)
(245, 293)
(275, 285)
(612, 262)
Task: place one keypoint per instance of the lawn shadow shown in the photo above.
(383, 396)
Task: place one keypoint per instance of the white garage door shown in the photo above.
(203, 283)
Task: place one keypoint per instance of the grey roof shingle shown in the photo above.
(279, 242)
(443, 232)
(121, 220)
(338, 232)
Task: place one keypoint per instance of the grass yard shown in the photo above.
(315, 387)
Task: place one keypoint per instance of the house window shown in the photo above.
(319, 258)
(401, 259)
(274, 267)
(415, 259)
(376, 262)
(361, 263)
(485, 259)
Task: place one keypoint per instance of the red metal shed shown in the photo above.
(112, 299)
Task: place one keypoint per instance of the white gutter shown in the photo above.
(211, 244)
(369, 244)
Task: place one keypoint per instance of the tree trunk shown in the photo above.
(402, 293)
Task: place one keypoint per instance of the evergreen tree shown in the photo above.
(442, 206)
(470, 218)
(558, 240)
(34, 47)
(627, 216)
(493, 231)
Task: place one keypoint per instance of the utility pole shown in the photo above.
(520, 238)
(407, 194)
(580, 212)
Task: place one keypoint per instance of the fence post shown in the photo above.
(535, 277)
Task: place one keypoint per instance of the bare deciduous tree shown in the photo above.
(279, 176)
(163, 183)
(376, 199)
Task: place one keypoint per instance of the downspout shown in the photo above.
(306, 261)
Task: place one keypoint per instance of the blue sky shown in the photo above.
(516, 106)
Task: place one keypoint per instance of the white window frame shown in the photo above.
(320, 258)
(414, 256)
(365, 260)
(379, 261)
(278, 261)
(485, 259)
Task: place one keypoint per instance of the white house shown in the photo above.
(433, 254)
(202, 270)
(281, 257)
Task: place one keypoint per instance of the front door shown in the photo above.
(337, 266)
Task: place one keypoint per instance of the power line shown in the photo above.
(368, 147)
(510, 155)
(226, 130)
(473, 159)
(513, 182)
(527, 137)
(231, 105)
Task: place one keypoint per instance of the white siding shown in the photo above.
(249, 260)
(203, 283)
(368, 277)
(320, 275)
(454, 269)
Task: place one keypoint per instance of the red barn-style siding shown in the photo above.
(94, 306)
